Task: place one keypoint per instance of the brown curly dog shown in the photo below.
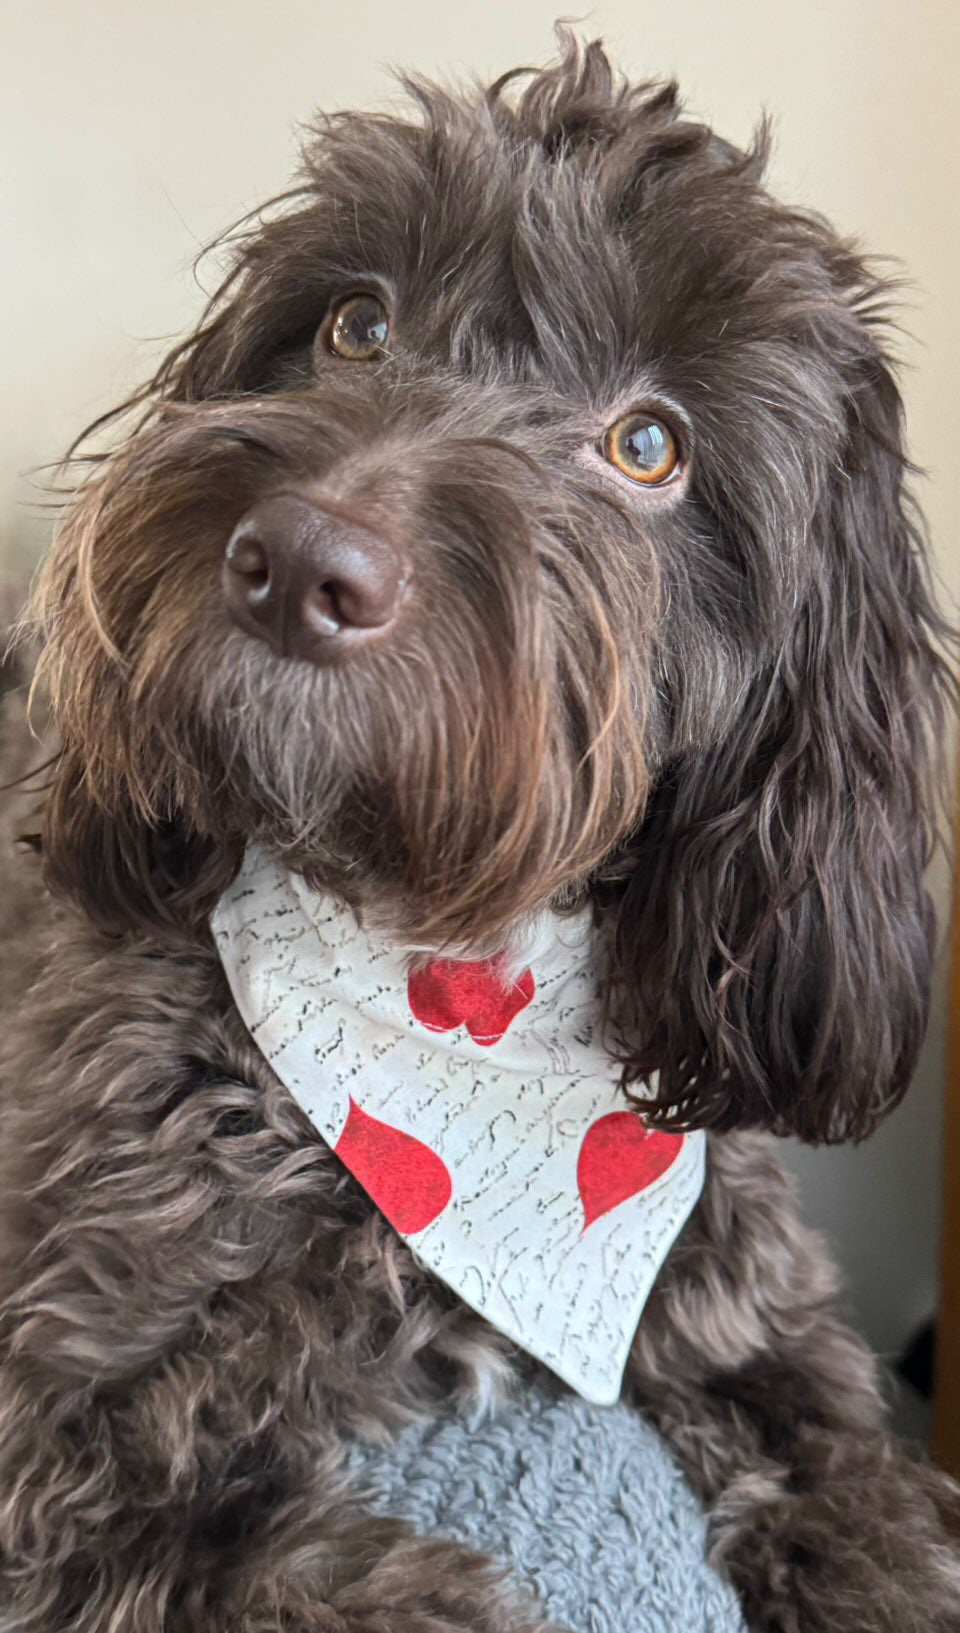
(523, 524)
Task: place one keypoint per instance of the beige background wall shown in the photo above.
(132, 130)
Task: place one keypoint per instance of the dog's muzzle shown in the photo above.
(309, 582)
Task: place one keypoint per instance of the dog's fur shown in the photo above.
(709, 710)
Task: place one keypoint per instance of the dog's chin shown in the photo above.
(378, 787)
(464, 910)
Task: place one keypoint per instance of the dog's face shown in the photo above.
(525, 520)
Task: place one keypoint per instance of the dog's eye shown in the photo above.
(642, 448)
(357, 329)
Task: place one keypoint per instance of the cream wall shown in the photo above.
(132, 131)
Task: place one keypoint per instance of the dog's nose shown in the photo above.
(308, 581)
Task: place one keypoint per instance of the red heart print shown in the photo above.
(410, 1184)
(447, 993)
(620, 1156)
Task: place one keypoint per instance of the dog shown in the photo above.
(522, 530)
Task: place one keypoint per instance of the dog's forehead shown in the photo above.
(558, 263)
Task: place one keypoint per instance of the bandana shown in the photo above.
(475, 1107)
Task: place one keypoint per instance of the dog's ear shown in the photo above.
(772, 937)
(126, 871)
(116, 831)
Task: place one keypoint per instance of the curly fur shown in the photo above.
(712, 711)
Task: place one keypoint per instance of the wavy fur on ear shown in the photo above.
(773, 938)
(124, 871)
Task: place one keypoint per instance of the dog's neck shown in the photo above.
(475, 1103)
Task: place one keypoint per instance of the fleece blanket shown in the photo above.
(582, 1503)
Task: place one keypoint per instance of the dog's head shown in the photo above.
(525, 519)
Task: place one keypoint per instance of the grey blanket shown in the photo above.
(581, 1502)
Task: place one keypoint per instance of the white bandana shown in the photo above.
(476, 1110)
